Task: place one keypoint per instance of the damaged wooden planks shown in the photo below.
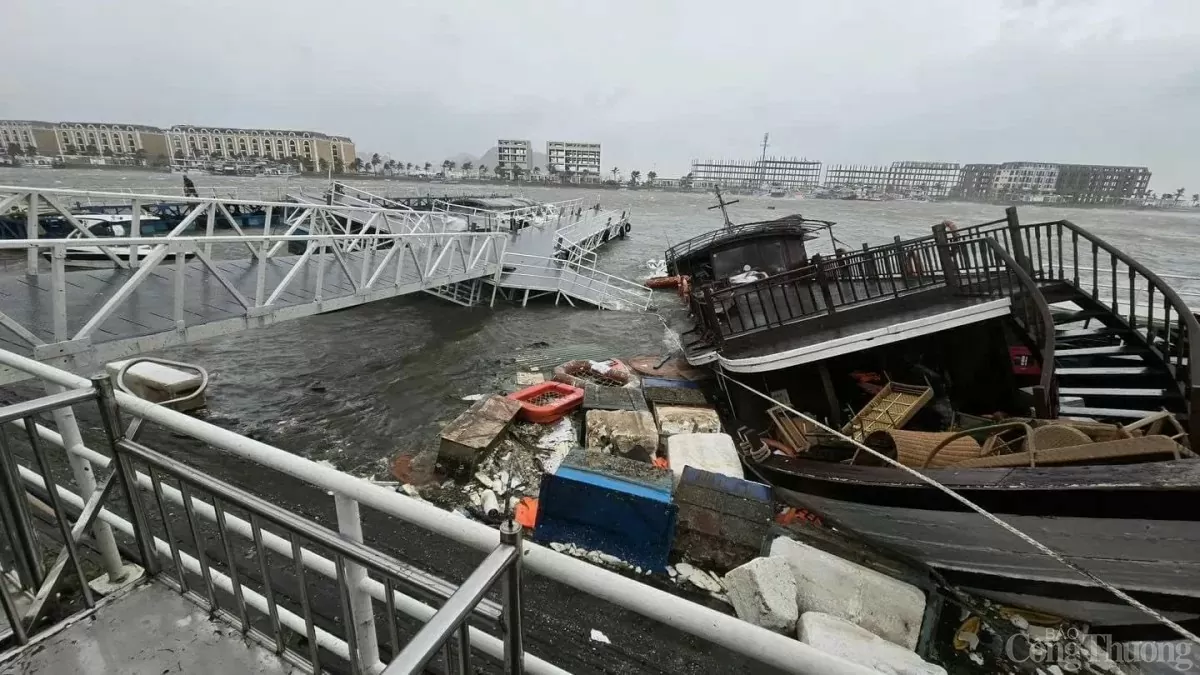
(471, 435)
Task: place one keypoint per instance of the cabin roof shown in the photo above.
(794, 224)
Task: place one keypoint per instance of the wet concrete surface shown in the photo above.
(151, 631)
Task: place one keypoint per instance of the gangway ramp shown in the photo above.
(187, 287)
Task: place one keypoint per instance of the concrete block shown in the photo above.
(842, 638)
(631, 433)
(715, 453)
(159, 382)
(887, 607)
(476, 431)
(763, 593)
(686, 419)
(723, 521)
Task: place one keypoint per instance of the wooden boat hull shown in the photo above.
(1135, 526)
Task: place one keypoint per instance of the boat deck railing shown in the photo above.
(321, 598)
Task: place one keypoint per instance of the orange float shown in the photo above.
(547, 402)
(663, 282)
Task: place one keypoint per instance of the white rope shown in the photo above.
(978, 509)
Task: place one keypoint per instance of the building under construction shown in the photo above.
(934, 179)
(772, 171)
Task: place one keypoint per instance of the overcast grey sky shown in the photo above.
(658, 83)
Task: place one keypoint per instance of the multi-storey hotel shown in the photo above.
(511, 153)
(74, 139)
(574, 157)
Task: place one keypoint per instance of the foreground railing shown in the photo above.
(347, 573)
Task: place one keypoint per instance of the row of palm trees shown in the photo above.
(1173, 198)
(377, 165)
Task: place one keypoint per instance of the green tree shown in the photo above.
(339, 167)
(537, 173)
(357, 164)
(483, 169)
(650, 177)
(687, 180)
(376, 160)
(1179, 194)
(389, 167)
(108, 152)
(517, 171)
(467, 166)
(501, 172)
(616, 174)
(428, 166)
(178, 154)
(15, 150)
(91, 150)
(139, 155)
(634, 176)
(1195, 198)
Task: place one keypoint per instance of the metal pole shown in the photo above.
(31, 232)
(27, 556)
(135, 230)
(511, 534)
(110, 418)
(350, 527)
(85, 478)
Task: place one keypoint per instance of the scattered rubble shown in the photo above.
(627, 432)
(763, 593)
(842, 638)
(680, 419)
(887, 607)
(597, 636)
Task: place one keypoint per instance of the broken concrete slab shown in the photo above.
(715, 453)
(839, 637)
(686, 419)
(763, 593)
(627, 432)
(475, 432)
(887, 607)
(529, 379)
(723, 521)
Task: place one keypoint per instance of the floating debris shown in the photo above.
(597, 636)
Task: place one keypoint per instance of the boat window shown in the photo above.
(768, 256)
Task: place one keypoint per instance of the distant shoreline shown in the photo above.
(507, 183)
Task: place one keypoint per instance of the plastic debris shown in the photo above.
(597, 636)
(473, 397)
(489, 503)
(484, 480)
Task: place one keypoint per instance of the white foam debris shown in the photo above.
(411, 490)
(558, 546)
(597, 636)
(484, 479)
(1020, 622)
(976, 658)
(473, 397)
(699, 578)
(671, 571)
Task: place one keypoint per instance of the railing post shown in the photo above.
(901, 267)
(31, 232)
(949, 265)
(822, 283)
(135, 231)
(1014, 235)
(511, 534)
(361, 611)
(110, 418)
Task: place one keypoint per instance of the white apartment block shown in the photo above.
(512, 153)
(574, 157)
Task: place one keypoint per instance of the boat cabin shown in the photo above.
(768, 247)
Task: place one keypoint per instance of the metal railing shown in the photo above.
(573, 279)
(371, 590)
(824, 287)
(320, 262)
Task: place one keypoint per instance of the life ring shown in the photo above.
(628, 227)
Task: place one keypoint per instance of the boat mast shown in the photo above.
(721, 204)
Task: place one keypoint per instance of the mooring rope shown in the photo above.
(1185, 633)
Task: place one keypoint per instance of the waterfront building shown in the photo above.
(510, 153)
(198, 142)
(976, 181)
(574, 157)
(181, 142)
(790, 172)
(1100, 184)
(1042, 181)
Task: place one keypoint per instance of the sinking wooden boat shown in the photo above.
(1129, 516)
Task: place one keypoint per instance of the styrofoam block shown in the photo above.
(715, 453)
(157, 376)
(887, 607)
(841, 638)
(763, 593)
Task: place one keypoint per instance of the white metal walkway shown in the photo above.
(169, 290)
